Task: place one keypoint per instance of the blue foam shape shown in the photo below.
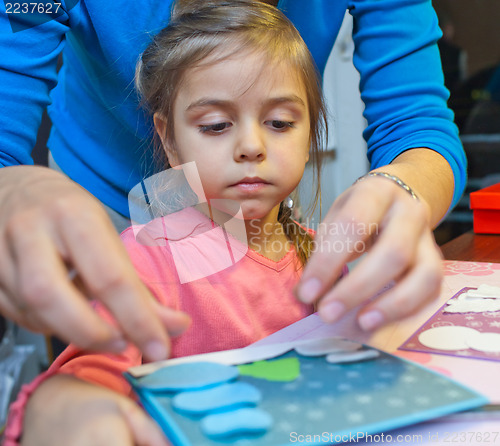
(225, 396)
(195, 375)
(237, 422)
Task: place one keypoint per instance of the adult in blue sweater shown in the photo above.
(51, 223)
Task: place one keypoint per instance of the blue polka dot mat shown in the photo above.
(317, 397)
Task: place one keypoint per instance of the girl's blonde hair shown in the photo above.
(203, 32)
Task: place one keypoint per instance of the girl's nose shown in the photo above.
(250, 145)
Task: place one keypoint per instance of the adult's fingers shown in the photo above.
(392, 255)
(49, 223)
(346, 233)
(413, 291)
(378, 218)
(46, 298)
(108, 276)
(175, 321)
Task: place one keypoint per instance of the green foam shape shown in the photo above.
(283, 370)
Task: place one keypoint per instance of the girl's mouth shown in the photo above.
(250, 184)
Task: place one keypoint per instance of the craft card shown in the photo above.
(319, 392)
(467, 325)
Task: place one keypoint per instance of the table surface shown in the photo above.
(473, 248)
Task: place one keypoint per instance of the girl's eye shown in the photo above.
(281, 125)
(215, 128)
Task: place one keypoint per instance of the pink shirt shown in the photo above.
(242, 302)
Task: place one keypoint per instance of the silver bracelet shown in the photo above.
(393, 178)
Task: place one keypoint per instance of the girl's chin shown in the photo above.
(264, 211)
(241, 211)
(254, 215)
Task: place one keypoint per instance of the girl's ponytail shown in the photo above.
(301, 238)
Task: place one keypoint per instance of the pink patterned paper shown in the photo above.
(486, 322)
(452, 268)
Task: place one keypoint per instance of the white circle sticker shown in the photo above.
(485, 342)
(448, 338)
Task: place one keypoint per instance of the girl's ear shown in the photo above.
(160, 123)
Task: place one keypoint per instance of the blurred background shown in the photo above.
(470, 53)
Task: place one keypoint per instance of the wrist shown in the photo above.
(429, 175)
(393, 178)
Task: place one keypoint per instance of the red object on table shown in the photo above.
(485, 204)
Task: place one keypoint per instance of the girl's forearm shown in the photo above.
(65, 410)
(48, 407)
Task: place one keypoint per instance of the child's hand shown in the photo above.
(67, 411)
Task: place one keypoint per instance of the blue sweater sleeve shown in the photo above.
(402, 83)
(27, 74)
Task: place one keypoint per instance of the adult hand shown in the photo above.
(377, 217)
(50, 225)
(83, 414)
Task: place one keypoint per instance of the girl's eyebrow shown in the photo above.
(207, 102)
(293, 98)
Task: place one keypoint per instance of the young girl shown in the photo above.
(232, 88)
